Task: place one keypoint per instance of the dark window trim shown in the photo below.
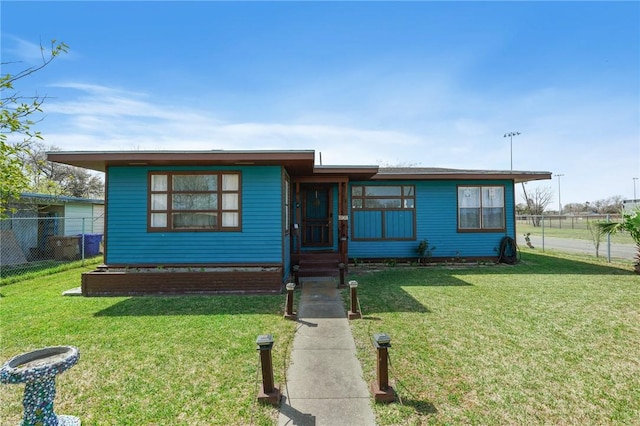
(170, 192)
(482, 229)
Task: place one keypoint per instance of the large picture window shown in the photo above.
(194, 201)
(481, 208)
(383, 212)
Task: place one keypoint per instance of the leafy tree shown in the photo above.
(47, 177)
(631, 224)
(16, 122)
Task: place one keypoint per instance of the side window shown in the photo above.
(481, 208)
(194, 201)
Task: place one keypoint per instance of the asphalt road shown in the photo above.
(619, 251)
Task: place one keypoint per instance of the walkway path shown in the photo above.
(324, 384)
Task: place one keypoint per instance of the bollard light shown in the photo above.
(354, 313)
(269, 393)
(341, 267)
(289, 314)
(296, 274)
(380, 389)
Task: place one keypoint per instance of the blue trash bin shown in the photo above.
(91, 244)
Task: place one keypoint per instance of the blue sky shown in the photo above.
(421, 83)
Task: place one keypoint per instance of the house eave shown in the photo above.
(450, 174)
(296, 162)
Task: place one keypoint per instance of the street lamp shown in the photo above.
(635, 179)
(559, 200)
(510, 135)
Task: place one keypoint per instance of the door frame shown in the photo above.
(326, 222)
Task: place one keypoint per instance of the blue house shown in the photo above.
(242, 221)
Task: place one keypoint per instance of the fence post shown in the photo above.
(83, 242)
(542, 232)
(608, 244)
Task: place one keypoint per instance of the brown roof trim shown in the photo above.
(353, 172)
(458, 174)
(297, 161)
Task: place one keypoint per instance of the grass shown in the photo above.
(145, 360)
(14, 273)
(553, 340)
(568, 232)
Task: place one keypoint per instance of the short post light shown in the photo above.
(354, 313)
(296, 274)
(341, 267)
(269, 393)
(289, 314)
(380, 389)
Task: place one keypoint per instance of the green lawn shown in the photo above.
(568, 232)
(553, 340)
(145, 360)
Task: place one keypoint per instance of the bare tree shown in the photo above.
(537, 201)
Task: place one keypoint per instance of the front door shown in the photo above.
(316, 216)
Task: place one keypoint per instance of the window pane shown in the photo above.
(469, 218)
(158, 220)
(194, 220)
(409, 203)
(383, 203)
(158, 201)
(492, 196)
(356, 203)
(158, 182)
(468, 197)
(493, 218)
(383, 191)
(230, 219)
(408, 191)
(356, 191)
(195, 182)
(194, 201)
(230, 182)
(229, 202)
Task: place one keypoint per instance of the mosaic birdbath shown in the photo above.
(38, 371)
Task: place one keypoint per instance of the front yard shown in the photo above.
(553, 340)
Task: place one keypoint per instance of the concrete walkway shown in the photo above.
(324, 384)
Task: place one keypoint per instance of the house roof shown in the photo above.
(297, 163)
(57, 199)
(435, 173)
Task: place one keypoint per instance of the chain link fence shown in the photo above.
(574, 233)
(31, 244)
(566, 221)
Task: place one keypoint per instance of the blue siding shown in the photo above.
(398, 224)
(367, 224)
(260, 240)
(436, 221)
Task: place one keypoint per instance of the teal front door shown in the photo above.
(316, 216)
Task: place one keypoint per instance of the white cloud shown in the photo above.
(561, 132)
